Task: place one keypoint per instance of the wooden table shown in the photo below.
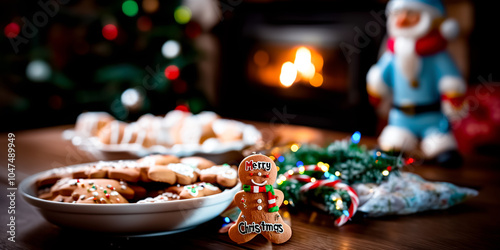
(473, 224)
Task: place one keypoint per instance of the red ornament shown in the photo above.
(110, 32)
(11, 30)
(172, 72)
(182, 107)
(389, 168)
(481, 127)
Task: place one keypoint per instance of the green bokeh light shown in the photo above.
(130, 8)
(182, 14)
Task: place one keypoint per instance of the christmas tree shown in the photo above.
(126, 57)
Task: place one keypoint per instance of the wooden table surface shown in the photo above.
(470, 225)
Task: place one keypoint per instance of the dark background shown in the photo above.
(24, 104)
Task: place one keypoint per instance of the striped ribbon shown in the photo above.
(271, 197)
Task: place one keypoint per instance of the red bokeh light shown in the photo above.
(11, 30)
(110, 32)
(409, 161)
(172, 72)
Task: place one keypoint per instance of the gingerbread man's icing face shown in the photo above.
(257, 170)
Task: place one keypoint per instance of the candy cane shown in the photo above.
(337, 185)
(301, 178)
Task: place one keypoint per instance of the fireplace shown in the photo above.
(299, 58)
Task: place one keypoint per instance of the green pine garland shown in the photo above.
(343, 159)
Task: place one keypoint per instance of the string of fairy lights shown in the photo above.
(319, 176)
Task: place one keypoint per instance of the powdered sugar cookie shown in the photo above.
(198, 162)
(172, 124)
(162, 160)
(112, 133)
(88, 124)
(222, 174)
(198, 128)
(227, 178)
(228, 130)
(185, 174)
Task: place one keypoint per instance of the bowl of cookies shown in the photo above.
(177, 132)
(157, 194)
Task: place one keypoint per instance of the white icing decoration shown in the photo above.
(194, 162)
(259, 208)
(229, 174)
(215, 170)
(222, 125)
(141, 136)
(191, 130)
(127, 133)
(181, 168)
(86, 123)
(115, 132)
(259, 201)
(191, 188)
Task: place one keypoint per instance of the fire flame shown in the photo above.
(303, 65)
(288, 74)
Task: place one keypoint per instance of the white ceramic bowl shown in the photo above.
(131, 219)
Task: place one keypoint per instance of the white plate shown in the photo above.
(251, 136)
(131, 219)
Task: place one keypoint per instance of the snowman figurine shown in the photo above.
(426, 86)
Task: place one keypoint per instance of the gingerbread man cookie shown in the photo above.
(259, 203)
